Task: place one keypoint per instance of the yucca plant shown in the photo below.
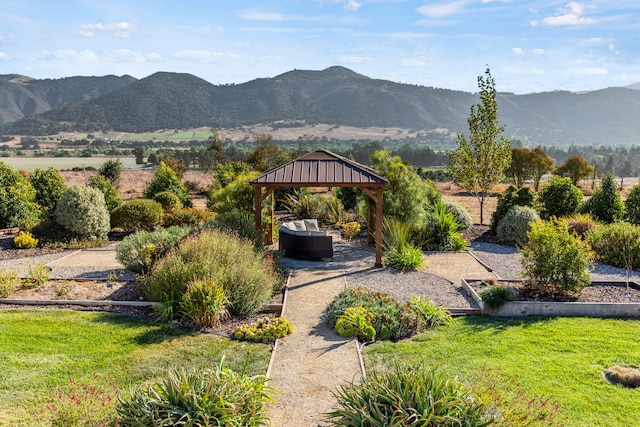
(440, 231)
(407, 395)
(402, 252)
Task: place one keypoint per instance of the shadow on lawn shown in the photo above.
(152, 332)
(483, 323)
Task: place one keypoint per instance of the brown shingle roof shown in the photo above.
(320, 168)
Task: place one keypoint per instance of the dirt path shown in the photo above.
(313, 361)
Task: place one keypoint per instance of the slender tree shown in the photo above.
(576, 168)
(520, 169)
(480, 161)
(541, 164)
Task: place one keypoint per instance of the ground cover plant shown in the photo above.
(558, 358)
(44, 349)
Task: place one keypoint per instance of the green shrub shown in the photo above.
(49, 187)
(460, 214)
(9, 282)
(265, 330)
(38, 275)
(83, 212)
(197, 397)
(237, 221)
(235, 195)
(515, 225)
(356, 322)
(511, 197)
(109, 191)
(111, 170)
(246, 273)
(440, 230)
(303, 204)
(138, 251)
(348, 196)
(429, 313)
(25, 240)
(165, 179)
(137, 214)
(350, 229)
(614, 244)
(559, 198)
(407, 257)
(632, 205)
(407, 395)
(555, 261)
(169, 201)
(204, 303)
(605, 204)
(18, 207)
(581, 223)
(496, 296)
(190, 217)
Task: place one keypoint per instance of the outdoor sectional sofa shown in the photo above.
(303, 239)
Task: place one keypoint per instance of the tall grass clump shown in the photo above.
(440, 230)
(198, 397)
(138, 251)
(407, 395)
(245, 273)
(402, 254)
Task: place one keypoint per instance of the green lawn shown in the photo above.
(561, 358)
(41, 350)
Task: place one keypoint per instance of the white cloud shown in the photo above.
(587, 71)
(413, 62)
(124, 55)
(353, 59)
(594, 41)
(154, 57)
(68, 55)
(352, 5)
(538, 51)
(271, 58)
(442, 9)
(86, 34)
(4, 57)
(120, 29)
(517, 50)
(572, 14)
(406, 36)
(205, 56)
(256, 15)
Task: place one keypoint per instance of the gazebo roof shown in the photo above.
(320, 168)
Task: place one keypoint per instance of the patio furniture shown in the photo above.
(303, 239)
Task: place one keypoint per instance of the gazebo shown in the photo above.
(322, 168)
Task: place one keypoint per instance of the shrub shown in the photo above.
(429, 313)
(511, 197)
(80, 404)
(348, 196)
(615, 244)
(555, 261)
(83, 212)
(137, 214)
(111, 170)
(515, 225)
(236, 195)
(460, 214)
(246, 273)
(9, 282)
(356, 322)
(169, 201)
(632, 205)
(606, 204)
(559, 198)
(407, 257)
(407, 395)
(25, 240)
(49, 187)
(138, 251)
(18, 207)
(197, 397)
(240, 222)
(581, 223)
(186, 217)
(440, 230)
(38, 275)
(303, 204)
(265, 330)
(109, 191)
(165, 179)
(496, 296)
(350, 229)
(204, 303)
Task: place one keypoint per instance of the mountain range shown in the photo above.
(335, 96)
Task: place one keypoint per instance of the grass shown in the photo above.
(561, 358)
(41, 350)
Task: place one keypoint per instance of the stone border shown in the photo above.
(561, 309)
(282, 310)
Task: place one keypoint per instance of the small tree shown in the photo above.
(107, 188)
(576, 168)
(479, 162)
(520, 168)
(49, 186)
(111, 170)
(165, 179)
(559, 198)
(606, 204)
(632, 205)
(18, 205)
(541, 164)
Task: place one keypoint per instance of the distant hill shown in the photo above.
(337, 96)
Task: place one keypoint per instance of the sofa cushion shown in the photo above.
(311, 225)
(287, 226)
(299, 225)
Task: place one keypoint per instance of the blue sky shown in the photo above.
(530, 46)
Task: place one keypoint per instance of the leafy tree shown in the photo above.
(110, 192)
(18, 205)
(237, 195)
(406, 196)
(559, 198)
(165, 179)
(632, 205)
(49, 186)
(511, 197)
(266, 155)
(214, 144)
(541, 164)
(176, 165)
(576, 168)
(520, 168)
(479, 162)
(606, 204)
(111, 169)
(139, 152)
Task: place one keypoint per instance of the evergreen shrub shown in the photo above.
(83, 212)
(137, 214)
(559, 198)
(511, 197)
(514, 226)
(605, 204)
